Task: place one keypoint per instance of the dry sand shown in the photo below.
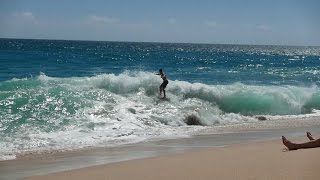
(262, 160)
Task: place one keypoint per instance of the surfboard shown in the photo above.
(161, 99)
(164, 99)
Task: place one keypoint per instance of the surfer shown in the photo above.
(164, 83)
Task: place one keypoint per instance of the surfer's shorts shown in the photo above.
(164, 84)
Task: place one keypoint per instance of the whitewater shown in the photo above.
(44, 113)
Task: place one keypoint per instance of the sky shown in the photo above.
(261, 22)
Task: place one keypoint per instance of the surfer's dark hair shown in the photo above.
(160, 70)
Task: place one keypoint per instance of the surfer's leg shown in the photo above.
(160, 90)
(163, 86)
(293, 146)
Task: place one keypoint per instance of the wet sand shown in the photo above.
(196, 156)
(259, 160)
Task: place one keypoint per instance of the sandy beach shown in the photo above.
(257, 160)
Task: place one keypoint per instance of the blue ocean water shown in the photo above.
(57, 95)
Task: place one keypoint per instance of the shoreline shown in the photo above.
(259, 126)
(255, 160)
(43, 164)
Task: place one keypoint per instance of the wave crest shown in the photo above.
(233, 98)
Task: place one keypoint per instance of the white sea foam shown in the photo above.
(108, 110)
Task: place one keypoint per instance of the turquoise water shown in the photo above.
(72, 94)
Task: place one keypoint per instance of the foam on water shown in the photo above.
(46, 113)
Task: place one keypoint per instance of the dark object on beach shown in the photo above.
(261, 118)
(312, 143)
(192, 120)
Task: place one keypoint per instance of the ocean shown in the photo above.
(58, 95)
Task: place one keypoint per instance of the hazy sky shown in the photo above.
(284, 22)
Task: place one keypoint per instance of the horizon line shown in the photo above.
(161, 42)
